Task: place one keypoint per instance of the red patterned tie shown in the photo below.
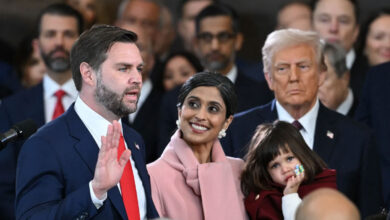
(297, 125)
(129, 192)
(59, 109)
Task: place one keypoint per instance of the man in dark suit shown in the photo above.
(374, 110)
(61, 171)
(59, 26)
(294, 69)
(218, 39)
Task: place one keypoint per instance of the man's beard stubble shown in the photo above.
(56, 64)
(215, 65)
(113, 101)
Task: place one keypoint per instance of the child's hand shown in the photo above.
(295, 181)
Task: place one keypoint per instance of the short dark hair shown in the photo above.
(62, 10)
(218, 9)
(266, 144)
(92, 47)
(356, 10)
(365, 28)
(209, 79)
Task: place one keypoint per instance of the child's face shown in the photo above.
(281, 168)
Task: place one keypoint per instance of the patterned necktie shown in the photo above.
(127, 183)
(297, 125)
(59, 108)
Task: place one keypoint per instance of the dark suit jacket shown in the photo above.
(358, 75)
(55, 166)
(351, 151)
(18, 107)
(374, 110)
(146, 123)
(250, 93)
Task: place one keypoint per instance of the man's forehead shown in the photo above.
(55, 21)
(335, 8)
(216, 24)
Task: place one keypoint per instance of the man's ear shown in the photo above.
(239, 41)
(87, 74)
(268, 78)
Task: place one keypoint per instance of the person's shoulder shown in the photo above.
(236, 163)
(258, 110)
(346, 124)
(22, 94)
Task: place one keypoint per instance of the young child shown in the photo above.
(281, 169)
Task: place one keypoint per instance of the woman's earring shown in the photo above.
(178, 123)
(222, 133)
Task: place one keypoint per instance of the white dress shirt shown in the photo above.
(308, 121)
(97, 126)
(346, 105)
(50, 87)
(232, 74)
(350, 58)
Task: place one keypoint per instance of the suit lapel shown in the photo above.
(88, 151)
(325, 134)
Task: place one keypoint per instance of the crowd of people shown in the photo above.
(146, 118)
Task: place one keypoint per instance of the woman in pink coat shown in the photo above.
(193, 179)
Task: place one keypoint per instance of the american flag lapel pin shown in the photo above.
(136, 146)
(330, 134)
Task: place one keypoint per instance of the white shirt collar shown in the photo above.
(232, 74)
(50, 87)
(95, 123)
(308, 121)
(346, 105)
(350, 58)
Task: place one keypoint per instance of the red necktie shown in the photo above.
(59, 109)
(129, 192)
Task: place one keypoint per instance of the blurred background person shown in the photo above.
(87, 8)
(373, 109)
(325, 204)
(337, 21)
(167, 34)
(28, 62)
(193, 179)
(177, 68)
(294, 14)
(374, 40)
(335, 92)
(188, 10)
(58, 27)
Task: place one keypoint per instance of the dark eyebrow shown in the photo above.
(215, 103)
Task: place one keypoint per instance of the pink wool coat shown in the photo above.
(183, 189)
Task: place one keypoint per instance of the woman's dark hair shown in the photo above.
(365, 28)
(266, 144)
(190, 57)
(208, 79)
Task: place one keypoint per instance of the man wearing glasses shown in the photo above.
(218, 38)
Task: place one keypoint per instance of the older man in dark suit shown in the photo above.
(294, 69)
(374, 111)
(86, 164)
